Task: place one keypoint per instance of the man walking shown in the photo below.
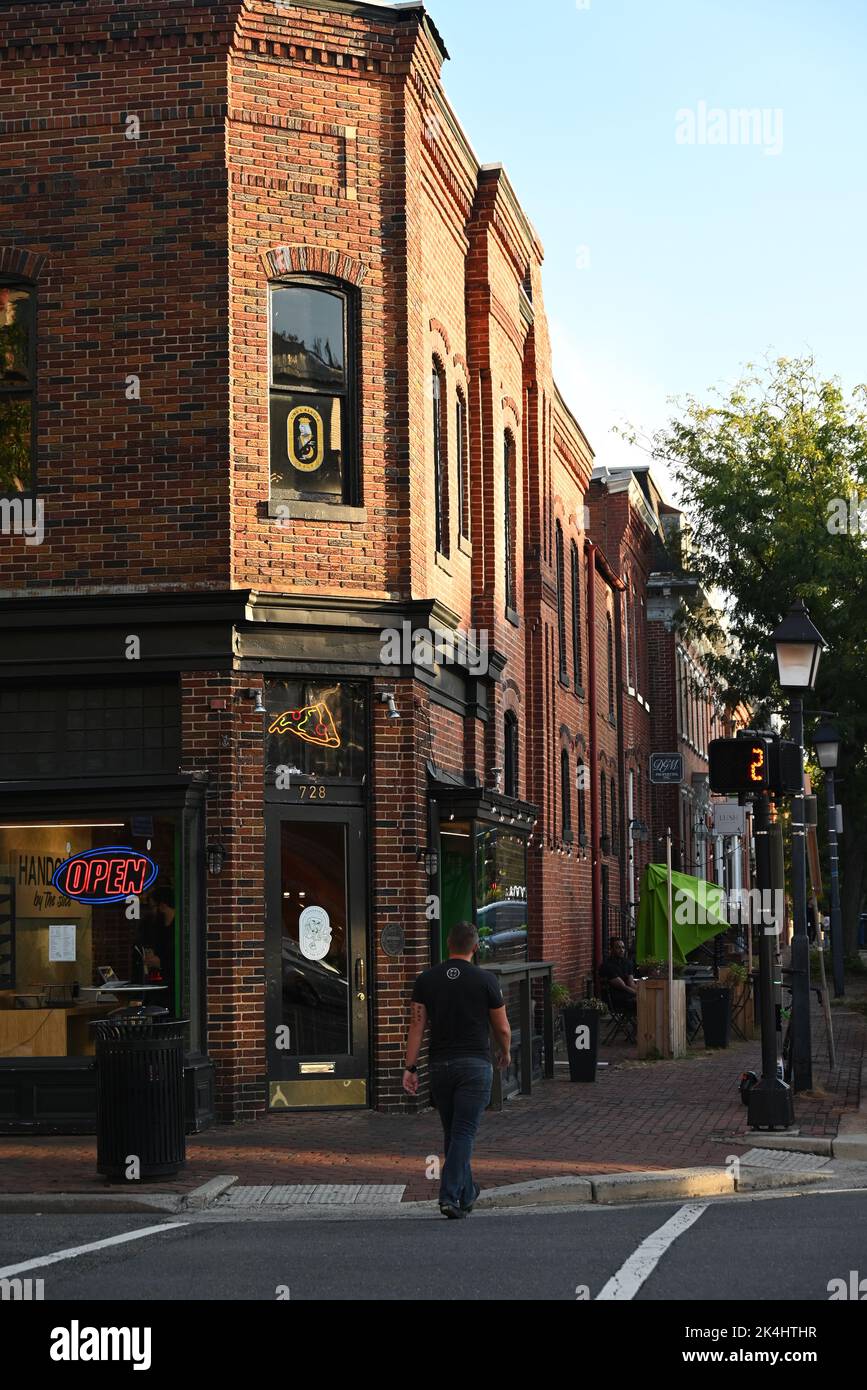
(463, 1005)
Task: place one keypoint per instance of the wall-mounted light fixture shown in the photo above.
(255, 694)
(387, 698)
(216, 857)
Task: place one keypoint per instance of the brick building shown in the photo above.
(330, 639)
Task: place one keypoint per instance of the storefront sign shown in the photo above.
(102, 876)
(666, 769)
(313, 724)
(729, 820)
(314, 933)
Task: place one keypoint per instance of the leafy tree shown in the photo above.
(771, 474)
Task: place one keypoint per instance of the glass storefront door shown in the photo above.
(317, 993)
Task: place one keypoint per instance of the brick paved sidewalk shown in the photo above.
(639, 1115)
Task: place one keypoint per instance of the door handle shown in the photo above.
(359, 979)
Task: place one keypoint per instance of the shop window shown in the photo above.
(576, 618)
(315, 729)
(88, 730)
(441, 469)
(312, 394)
(17, 387)
(561, 602)
(509, 520)
(86, 904)
(501, 895)
(463, 465)
(510, 759)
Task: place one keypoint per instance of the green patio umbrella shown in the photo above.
(699, 914)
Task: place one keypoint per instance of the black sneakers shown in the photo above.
(473, 1202)
(453, 1213)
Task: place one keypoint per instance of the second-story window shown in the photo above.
(441, 472)
(17, 387)
(561, 603)
(610, 647)
(626, 642)
(510, 759)
(576, 618)
(603, 806)
(463, 465)
(313, 449)
(566, 795)
(509, 519)
(615, 838)
(581, 785)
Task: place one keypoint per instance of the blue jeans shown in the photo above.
(461, 1089)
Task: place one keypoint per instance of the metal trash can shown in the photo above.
(139, 1095)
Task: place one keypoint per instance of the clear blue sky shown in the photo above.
(701, 256)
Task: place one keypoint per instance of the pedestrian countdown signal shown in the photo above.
(739, 765)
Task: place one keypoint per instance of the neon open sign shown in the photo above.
(108, 875)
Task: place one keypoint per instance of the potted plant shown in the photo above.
(716, 1013)
(652, 969)
(581, 1028)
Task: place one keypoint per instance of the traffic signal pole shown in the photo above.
(770, 1103)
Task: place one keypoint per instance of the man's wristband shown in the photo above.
(413, 1071)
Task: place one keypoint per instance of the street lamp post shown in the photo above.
(799, 645)
(826, 742)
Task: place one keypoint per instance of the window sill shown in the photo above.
(315, 511)
(443, 563)
(580, 691)
(513, 617)
(465, 547)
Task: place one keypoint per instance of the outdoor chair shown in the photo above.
(622, 1020)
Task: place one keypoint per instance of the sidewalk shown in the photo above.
(638, 1116)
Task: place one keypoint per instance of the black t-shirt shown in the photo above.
(458, 997)
(617, 968)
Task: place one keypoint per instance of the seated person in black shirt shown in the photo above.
(618, 972)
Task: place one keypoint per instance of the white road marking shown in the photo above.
(624, 1285)
(75, 1250)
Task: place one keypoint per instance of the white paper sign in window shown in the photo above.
(314, 933)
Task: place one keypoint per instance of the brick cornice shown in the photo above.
(312, 260)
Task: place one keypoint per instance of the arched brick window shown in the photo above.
(17, 385)
(441, 472)
(561, 602)
(509, 519)
(510, 759)
(462, 444)
(576, 618)
(314, 439)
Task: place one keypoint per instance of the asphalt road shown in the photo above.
(735, 1251)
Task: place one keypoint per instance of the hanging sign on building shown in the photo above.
(729, 819)
(108, 875)
(666, 769)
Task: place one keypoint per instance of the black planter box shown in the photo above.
(716, 1016)
(582, 1060)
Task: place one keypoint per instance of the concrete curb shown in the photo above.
(851, 1138)
(117, 1203)
(89, 1203)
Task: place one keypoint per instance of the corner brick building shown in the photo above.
(326, 625)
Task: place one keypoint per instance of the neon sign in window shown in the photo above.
(313, 724)
(108, 875)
